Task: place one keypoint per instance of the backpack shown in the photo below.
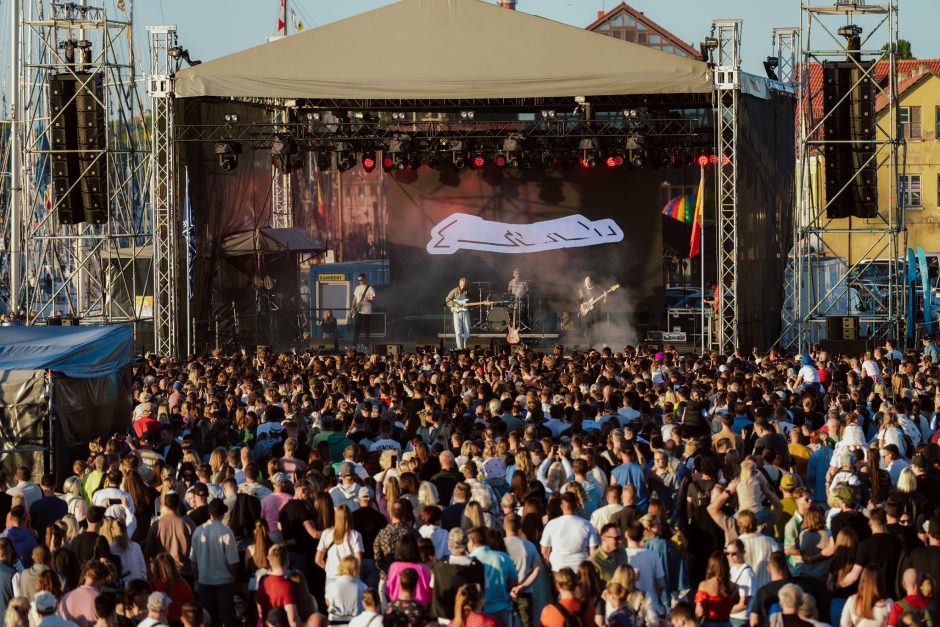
(626, 616)
(571, 620)
(702, 496)
(773, 485)
(920, 616)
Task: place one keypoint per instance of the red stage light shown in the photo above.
(388, 163)
(614, 161)
(478, 161)
(500, 161)
(702, 160)
(368, 162)
(712, 159)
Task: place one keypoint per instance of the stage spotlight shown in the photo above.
(630, 113)
(770, 67)
(467, 115)
(548, 114)
(388, 163)
(478, 161)
(313, 117)
(588, 161)
(712, 159)
(637, 159)
(517, 162)
(500, 161)
(228, 155)
(324, 161)
(460, 162)
(345, 161)
(231, 118)
(614, 160)
(701, 160)
(368, 161)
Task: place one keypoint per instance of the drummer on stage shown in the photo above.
(517, 286)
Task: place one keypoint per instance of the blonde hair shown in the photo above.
(747, 469)
(473, 516)
(349, 566)
(907, 481)
(385, 459)
(427, 494)
(342, 522)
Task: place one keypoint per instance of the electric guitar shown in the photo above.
(512, 333)
(463, 304)
(588, 306)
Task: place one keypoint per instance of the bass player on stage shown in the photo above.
(361, 308)
(456, 301)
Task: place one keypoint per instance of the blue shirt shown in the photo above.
(739, 423)
(499, 572)
(632, 474)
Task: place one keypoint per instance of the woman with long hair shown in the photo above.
(876, 479)
(842, 563)
(256, 563)
(814, 538)
(408, 556)
(77, 506)
(566, 583)
(717, 594)
(474, 516)
(166, 578)
(870, 606)
(589, 583)
(133, 565)
(338, 542)
(469, 602)
(142, 497)
(17, 614)
(906, 491)
(626, 576)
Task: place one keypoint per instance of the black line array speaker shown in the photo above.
(79, 144)
(388, 350)
(849, 134)
(842, 327)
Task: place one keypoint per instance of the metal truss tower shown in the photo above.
(164, 199)
(727, 75)
(93, 272)
(883, 237)
(282, 208)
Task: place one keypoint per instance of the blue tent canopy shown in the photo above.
(78, 352)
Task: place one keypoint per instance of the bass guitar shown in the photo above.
(588, 306)
(463, 304)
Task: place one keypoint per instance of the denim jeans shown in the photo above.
(219, 601)
(369, 574)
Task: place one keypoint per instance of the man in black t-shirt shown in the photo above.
(447, 478)
(368, 522)
(926, 559)
(295, 520)
(89, 544)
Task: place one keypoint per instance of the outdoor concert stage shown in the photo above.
(553, 152)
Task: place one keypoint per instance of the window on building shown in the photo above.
(909, 188)
(909, 122)
(936, 119)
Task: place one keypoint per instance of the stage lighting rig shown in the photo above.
(227, 153)
(460, 161)
(477, 161)
(284, 153)
(548, 114)
(467, 115)
(345, 160)
(230, 118)
(181, 54)
(514, 151)
(588, 150)
(324, 161)
(614, 160)
(368, 161)
(770, 67)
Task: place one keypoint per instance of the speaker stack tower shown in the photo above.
(79, 145)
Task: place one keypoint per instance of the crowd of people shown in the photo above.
(608, 489)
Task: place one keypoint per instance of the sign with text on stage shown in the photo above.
(331, 277)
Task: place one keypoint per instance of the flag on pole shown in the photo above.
(695, 244)
(281, 25)
(296, 21)
(680, 208)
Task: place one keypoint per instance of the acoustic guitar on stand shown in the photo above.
(588, 306)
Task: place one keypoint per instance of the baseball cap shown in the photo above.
(845, 494)
(290, 422)
(346, 470)
(279, 477)
(365, 493)
(158, 601)
(45, 602)
(789, 482)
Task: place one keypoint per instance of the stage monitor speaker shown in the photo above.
(849, 134)
(323, 345)
(388, 350)
(53, 322)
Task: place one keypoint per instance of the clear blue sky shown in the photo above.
(212, 28)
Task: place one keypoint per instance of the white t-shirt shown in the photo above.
(361, 295)
(335, 552)
(648, 568)
(809, 374)
(743, 576)
(571, 539)
(385, 444)
(367, 619)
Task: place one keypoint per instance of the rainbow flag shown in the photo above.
(695, 243)
(680, 208)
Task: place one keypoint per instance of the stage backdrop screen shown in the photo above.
(556, 226)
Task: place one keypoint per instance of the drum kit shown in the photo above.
(505, 310)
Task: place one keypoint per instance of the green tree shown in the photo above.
(902, 50)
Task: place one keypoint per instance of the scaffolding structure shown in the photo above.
(727, 74)
(90, 272)
(884, 237)
(164, 199)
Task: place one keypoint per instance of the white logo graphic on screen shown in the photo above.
(461, 231)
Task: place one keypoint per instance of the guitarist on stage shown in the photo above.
(361, 308)
(461, 313)
(587, 292)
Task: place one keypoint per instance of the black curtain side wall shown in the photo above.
(85, 409)
(767, 156)
(223, 203)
